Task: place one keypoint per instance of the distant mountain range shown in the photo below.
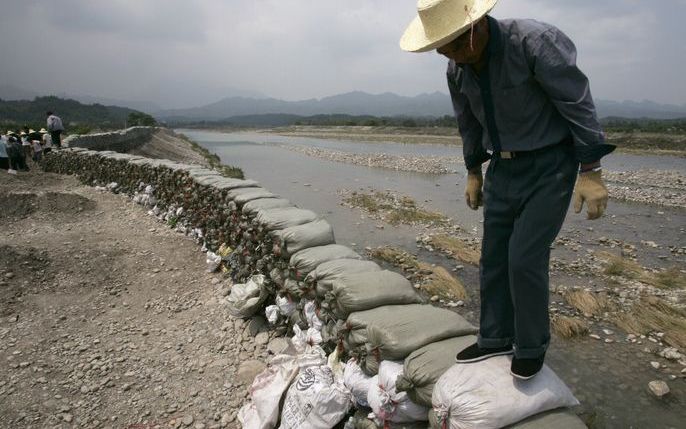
(356, 103)
(387, 104)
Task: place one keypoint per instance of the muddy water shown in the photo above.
(610, 379)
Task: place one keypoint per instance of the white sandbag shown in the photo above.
(246, 299)
(326, 273)
(388, 404)
(315, 400)
(212, 260)
(357, 382)
(296, 238)
(485, 395)
(262, 412)
(306, 260)
(310, 312)
(304, 341)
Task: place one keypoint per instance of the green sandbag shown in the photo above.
(326, 273)
(421, 326)
(306, 260)
(355, 329)
(252, 207)
(423, 367)
(362, 291)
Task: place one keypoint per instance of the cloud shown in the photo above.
(182, 53)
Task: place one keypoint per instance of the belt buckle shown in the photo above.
(507, 155)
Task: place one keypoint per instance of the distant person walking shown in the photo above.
(26, 144)
(55, 129)
(4, 157)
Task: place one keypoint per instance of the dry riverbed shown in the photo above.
(109, 318)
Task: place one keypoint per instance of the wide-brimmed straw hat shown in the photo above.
(43, 131)
(441, 21)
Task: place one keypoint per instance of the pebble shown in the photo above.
(67, 417)
(262, 338)
(595, 336)
(278, 346)
(188, 419)
(658, 388)
(9, 275)
(655, 365)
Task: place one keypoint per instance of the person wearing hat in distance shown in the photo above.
(521, 101)
(46, 141)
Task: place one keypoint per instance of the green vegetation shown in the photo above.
(76, 117)
(140, 119)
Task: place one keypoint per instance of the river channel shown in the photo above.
(610, 382)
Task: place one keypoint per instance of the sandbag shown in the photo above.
(252, 207)
(462, 399)
(420, 327)
(306, 260)
(280, 218)
(315, 400)
(355, 329)
(357, 382)
(362, 291)
(423, 367)
(252, 194)
(324, 274)
(262, 412)
(388, 404)
(293, 239)
(247, 299)
(561, 418)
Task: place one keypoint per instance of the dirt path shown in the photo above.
(109, 318)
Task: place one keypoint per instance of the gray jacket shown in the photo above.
(530, 95)
(55, 123)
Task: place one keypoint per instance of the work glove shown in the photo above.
(591, 189)
(472, 193)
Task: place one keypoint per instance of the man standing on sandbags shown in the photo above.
(521, 102)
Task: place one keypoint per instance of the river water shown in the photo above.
(611, 385)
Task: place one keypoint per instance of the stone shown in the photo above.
(215, 281)
(262, 338)
(188, 419)
(671, 353)
(257, 324)
(67, 417)
(658, 388)
(278, 346)
(595, 336)
(248, 370)
(655, 365)
(9, 275)
(607, 332)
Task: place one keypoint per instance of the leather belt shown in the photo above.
(504, 154)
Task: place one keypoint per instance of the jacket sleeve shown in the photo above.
(552, 57)
(470, 128)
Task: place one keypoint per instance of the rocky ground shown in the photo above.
(109, 319)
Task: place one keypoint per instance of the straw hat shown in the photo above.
(43, 131)
(441, 21)
(31, 131)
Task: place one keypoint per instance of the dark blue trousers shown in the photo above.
(525, 202)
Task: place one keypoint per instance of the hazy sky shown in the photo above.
(181, 53)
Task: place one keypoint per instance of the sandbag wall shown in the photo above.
(119, 141)
(285, 264)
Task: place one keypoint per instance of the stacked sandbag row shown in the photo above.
(399, 350)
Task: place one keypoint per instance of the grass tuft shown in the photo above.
(587, 302)
(568, 327)
(458, 249)
(444, 284)
(652, 314)
(672, 278)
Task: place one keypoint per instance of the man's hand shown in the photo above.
(473, 194)
(591, 189)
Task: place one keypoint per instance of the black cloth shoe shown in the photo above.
(525, 369)
(474, 353)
